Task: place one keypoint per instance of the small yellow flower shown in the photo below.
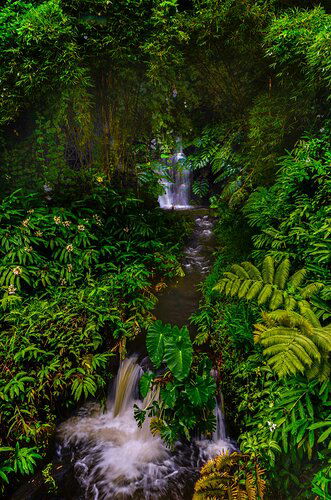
(69, 268)
(69, 248)
(25, 223)
(66, 223)
(57, 219)
(97, 219)
(81, 227)
(17, 270)
(99, 179)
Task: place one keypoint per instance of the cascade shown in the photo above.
(177, 188)
(113, 458)
(104, 453)
(125, 386)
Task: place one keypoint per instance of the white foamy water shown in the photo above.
(177, 190)
(195, 257)
(114, 459)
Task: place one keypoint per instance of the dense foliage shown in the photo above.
(93, 96)
(277, 396)
(186, 389)
(77, 283)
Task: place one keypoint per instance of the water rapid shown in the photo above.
(104, 452)
(114, 459)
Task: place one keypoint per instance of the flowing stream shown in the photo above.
(109, 456)
(101, 454)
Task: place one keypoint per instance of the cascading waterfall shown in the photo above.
(177, 188)
(114, 459)
(104, 453)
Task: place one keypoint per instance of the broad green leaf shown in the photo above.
(201, 390)
(155, 341)
(145, 383)
(169, 395)
(178, 352)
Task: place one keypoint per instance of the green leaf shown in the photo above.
(201, 390)
(145, 383)
(169, 395)
(155, 341)
(178, 352)
(324, 435)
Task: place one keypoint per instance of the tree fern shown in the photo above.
(271, 287)
(293, 344)
(230, 476)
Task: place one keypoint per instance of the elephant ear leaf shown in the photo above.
(201, 390)
(169, 395)
(178, 352)
(145, 383)
(155, 341)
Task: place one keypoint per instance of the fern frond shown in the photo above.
(290, 303)
(244, 288)
(259, 328)
(289, 350)
(230, 477)
(264, 294)
(322, 338)
(235, 288)
(321, 370)
(230, 276)
(219, 287)
(310, 290)
(260, 482)
(276, 299)
(297, 278)
(254, 290)
(268, 270)
(308, 313)
(228, 287)
(252, 270)
(282, 274)
(250, 487)
(289, 319)
(240, 271)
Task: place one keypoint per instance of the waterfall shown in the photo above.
(220, 432)
(125, 386)
(113, 458)
(177, 182)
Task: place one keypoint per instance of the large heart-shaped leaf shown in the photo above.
(155, 341)
(178, 352)
(201, 390)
